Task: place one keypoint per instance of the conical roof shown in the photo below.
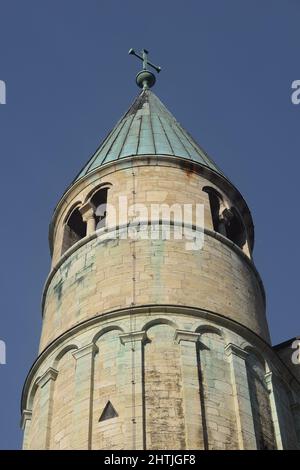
(147, 128)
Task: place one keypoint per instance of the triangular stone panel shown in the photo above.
(108, 412)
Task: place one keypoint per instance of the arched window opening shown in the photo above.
(215, 202)
(75, 230)
(228, 222)
(99, 201)
(235, 228)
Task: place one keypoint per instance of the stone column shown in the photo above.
(241, 396)
(46, 384)
(25, 425)
(269, 379)
(285, 438)
(190, 388)
(83, 396)
(88, 215)
(133, 342)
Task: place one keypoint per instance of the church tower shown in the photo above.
(154, 327)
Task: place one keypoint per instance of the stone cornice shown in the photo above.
(103, 235)
(240, 329)
(88, 350)
(231, 348)
(184, 335)
(50, 374)
(139, 336)
(26, 416)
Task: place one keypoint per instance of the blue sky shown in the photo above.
(227, 74)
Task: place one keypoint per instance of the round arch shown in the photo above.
(75, 205)
(106, 329)
(31, 394)
(202, 329)
(62, 352)
(97, 188)
(159, 321)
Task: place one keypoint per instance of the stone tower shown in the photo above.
(147, 344)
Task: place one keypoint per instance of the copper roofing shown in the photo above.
(147, 128)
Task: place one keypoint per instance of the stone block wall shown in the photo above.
(97, 278)
(180, 381)
(174, 342)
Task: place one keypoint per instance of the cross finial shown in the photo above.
(145, 78)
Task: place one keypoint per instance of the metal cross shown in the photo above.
(144, 59)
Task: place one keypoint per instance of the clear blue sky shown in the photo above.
(227, 73)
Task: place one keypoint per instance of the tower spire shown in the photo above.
(145, 79)
(154, 340)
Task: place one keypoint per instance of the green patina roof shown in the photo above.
(147, 128)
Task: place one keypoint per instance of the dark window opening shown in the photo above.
(235, 228)
(75, 230)
(99, 200)
(226, 221)
(108, 412)
(215, 207)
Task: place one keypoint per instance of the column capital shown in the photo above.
(231, 348)
(185, 335)
(133, 336)
(50, 374)
(87, 211)
(26, 416)
(89, 349)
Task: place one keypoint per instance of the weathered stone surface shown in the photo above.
(175, 340)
